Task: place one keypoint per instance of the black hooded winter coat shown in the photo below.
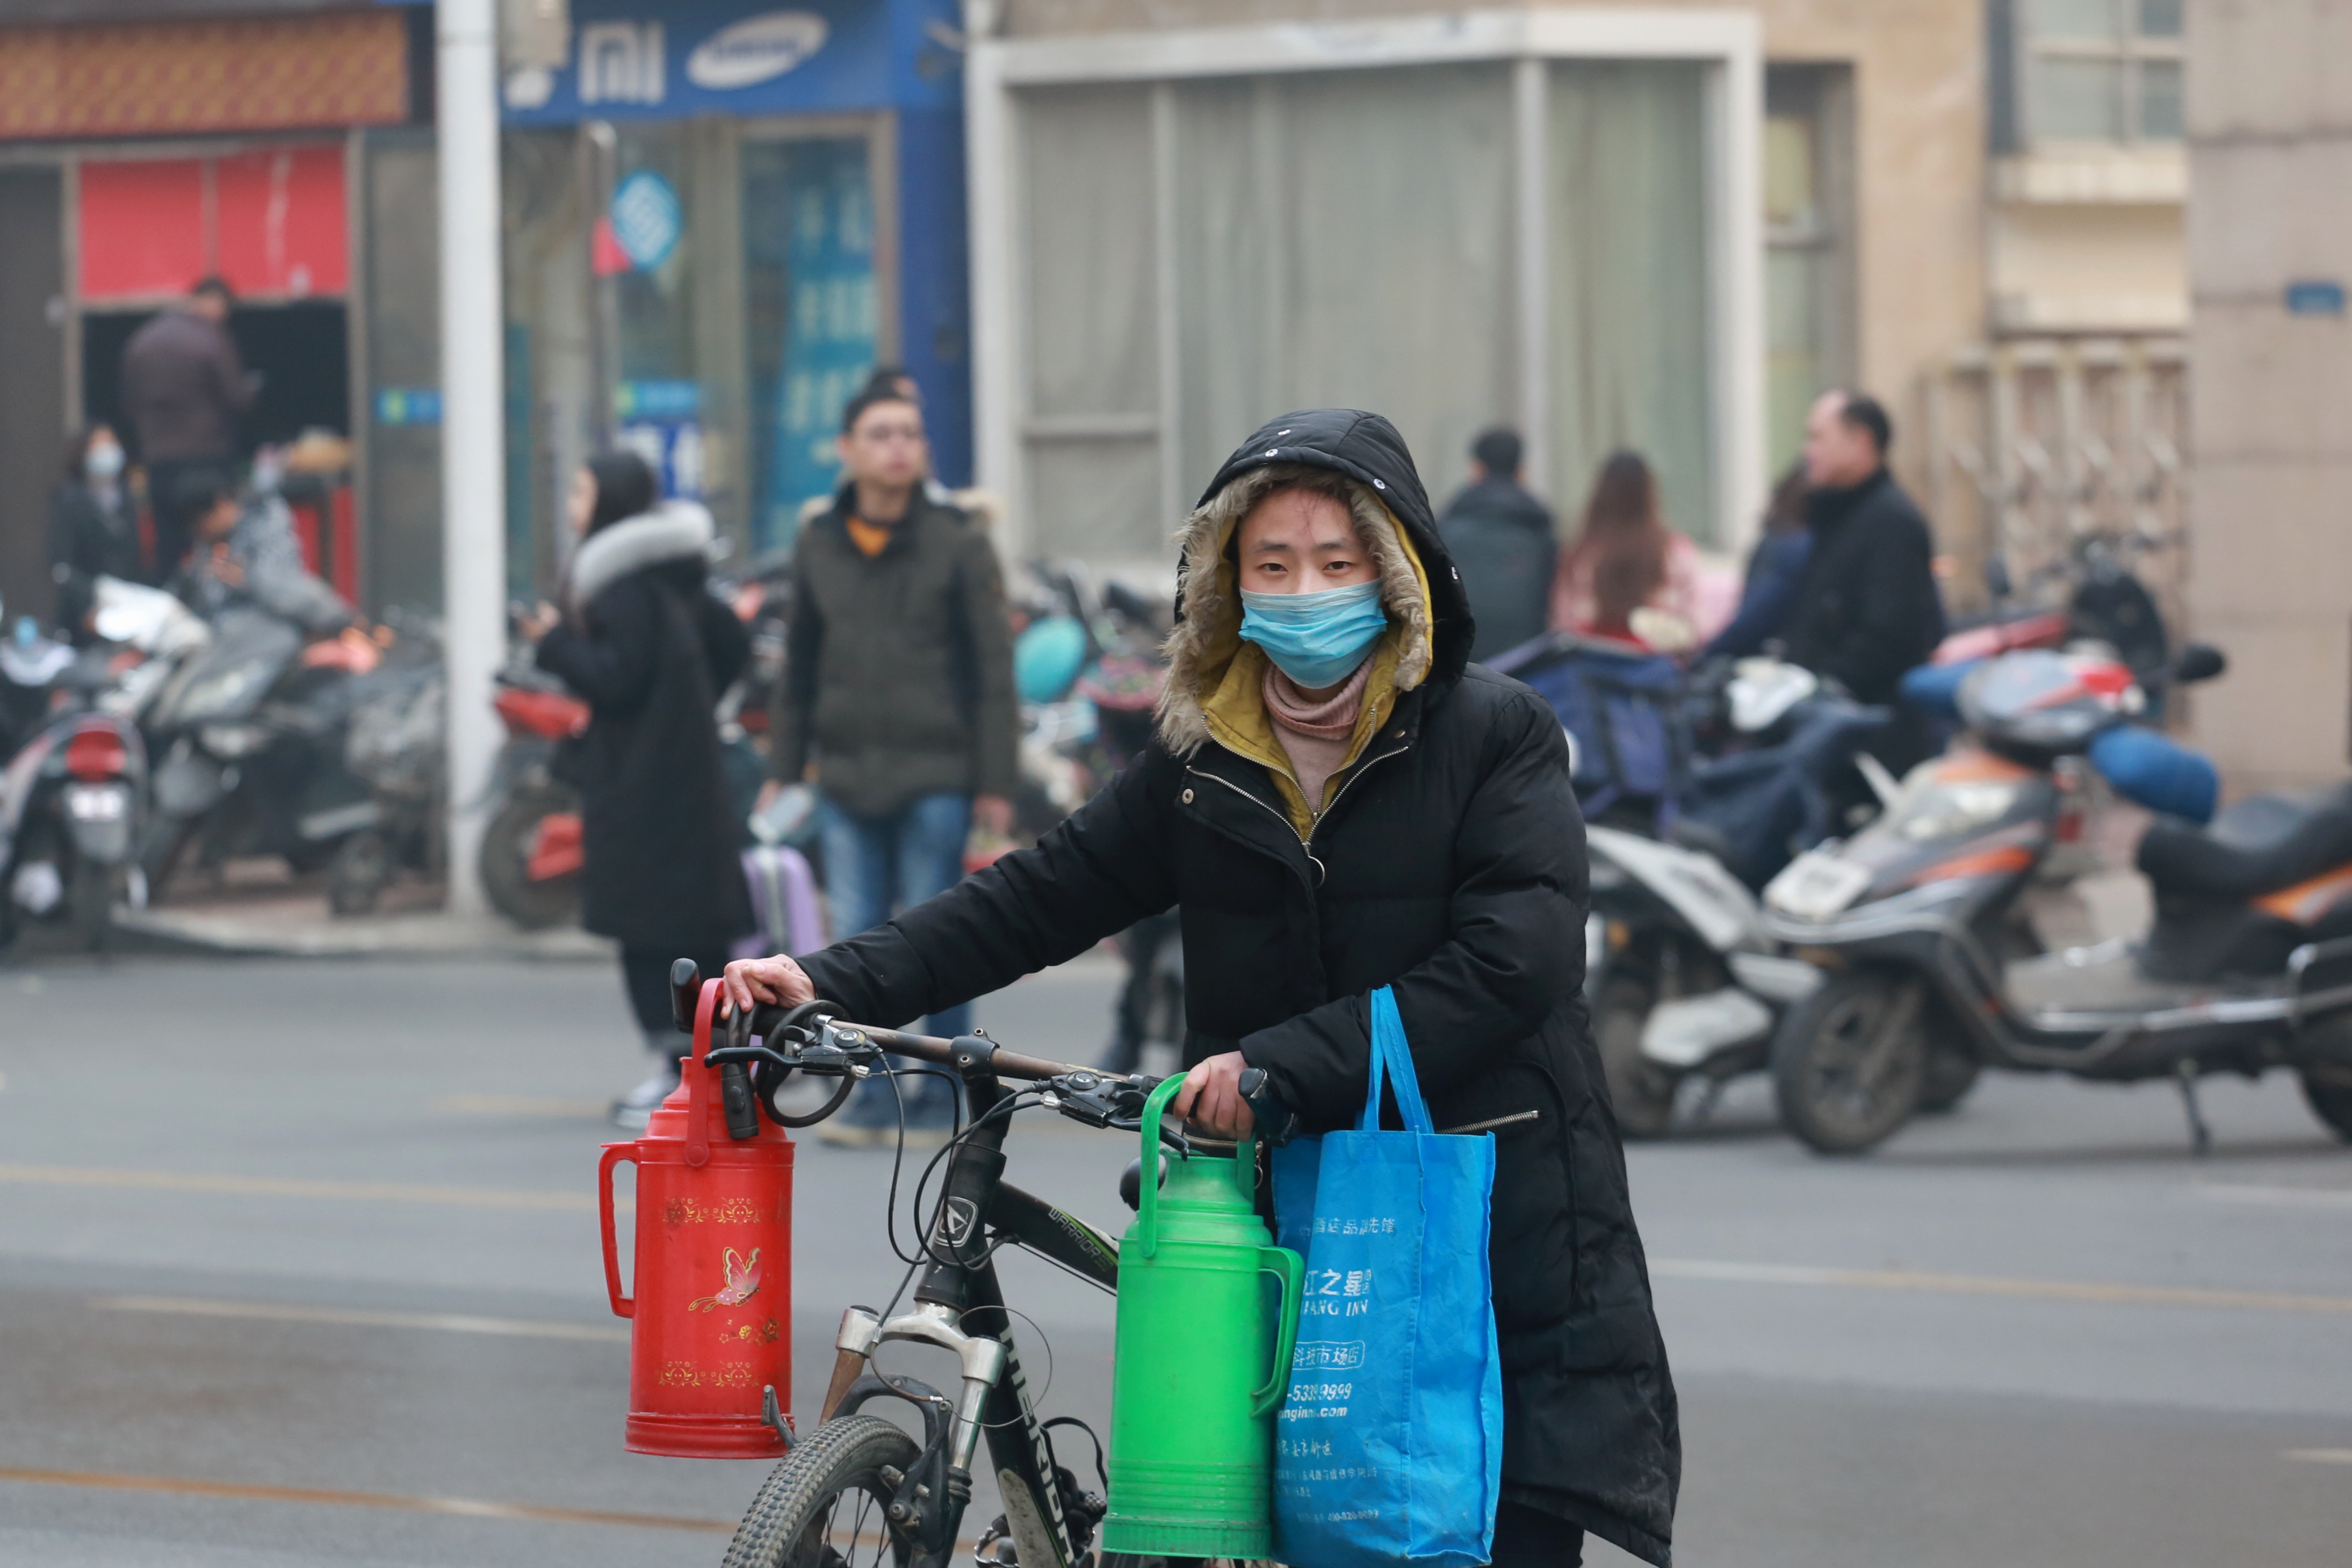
(1450, 865)
(650, 650)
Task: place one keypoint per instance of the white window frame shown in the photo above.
(1730, 43)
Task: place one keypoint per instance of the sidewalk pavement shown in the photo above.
(300, 925)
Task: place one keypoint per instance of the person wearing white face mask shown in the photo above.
(92, 532)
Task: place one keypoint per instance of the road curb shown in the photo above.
(276, 932)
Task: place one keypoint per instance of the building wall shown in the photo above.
(1919, 120)
(2270, 128)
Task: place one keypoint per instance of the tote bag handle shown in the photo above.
(1392, 1055)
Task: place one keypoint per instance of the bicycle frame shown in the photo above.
(1051, 1520)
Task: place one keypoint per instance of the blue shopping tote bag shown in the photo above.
(1389, 1445)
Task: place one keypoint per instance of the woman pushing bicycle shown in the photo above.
(1337, 800)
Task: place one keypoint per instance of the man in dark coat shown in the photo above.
(898, 696)
(1867, 608)
(643, 641)
(1444, 856)
(1502, 542)
(183, 388)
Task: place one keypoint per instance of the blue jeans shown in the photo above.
(874, 867)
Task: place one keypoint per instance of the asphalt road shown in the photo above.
(299, 1264)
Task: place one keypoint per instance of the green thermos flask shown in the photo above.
(1202, 1358)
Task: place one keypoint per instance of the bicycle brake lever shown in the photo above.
(1277, 1124)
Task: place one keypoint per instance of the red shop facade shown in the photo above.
(140, 155)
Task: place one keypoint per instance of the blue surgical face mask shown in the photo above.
(104, 462)
(1316, 638)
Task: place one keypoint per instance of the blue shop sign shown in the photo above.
(638, 59)
(408, 405)
(646, 219)
(2314, 296)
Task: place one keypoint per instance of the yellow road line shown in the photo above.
(471, 1508)
(2319, 1456)
(1979, 1285)
(447, 1322)
(281, 1186)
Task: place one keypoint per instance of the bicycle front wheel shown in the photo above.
(822, 1507)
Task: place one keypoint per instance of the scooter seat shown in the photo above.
(2255, 846)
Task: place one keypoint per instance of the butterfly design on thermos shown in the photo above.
(742, 1285)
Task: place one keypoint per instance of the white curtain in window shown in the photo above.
(1343, 239)
(1629, 286)
(1090, 314)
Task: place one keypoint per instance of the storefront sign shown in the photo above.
(408, 405)
(633, 59)
(673, 451)
(755, 49)
(2314, 296)
(646, 219)
(657, 400)
(829, 329)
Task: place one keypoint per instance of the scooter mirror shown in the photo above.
(1997, 581)
(2198, 662)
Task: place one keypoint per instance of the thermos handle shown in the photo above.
(698, 1077)
(622, 1306)
(1147, 1210)
(1286, 1266)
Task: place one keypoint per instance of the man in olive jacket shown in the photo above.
(897, 700)
(1442, 856)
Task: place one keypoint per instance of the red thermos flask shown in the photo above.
(711, 1321)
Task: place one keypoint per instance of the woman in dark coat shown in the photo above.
(641, 637)
(1431, 843)
(92, 533)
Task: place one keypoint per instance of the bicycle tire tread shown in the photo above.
(815, 1471)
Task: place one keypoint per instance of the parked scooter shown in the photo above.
(396, 743)
(72, 796)
(531, 856)
(251, 738)
(1684, 979)
(2247, 966)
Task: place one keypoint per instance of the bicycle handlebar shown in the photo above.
(1080, 1091)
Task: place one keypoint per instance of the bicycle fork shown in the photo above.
(979, 1358)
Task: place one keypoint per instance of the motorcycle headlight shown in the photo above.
(233, 740)
(1952, 810)
(221, 692)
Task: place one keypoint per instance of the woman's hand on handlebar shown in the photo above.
(778, 980)
(1211, 1099)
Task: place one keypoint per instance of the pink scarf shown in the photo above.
(1314, 734)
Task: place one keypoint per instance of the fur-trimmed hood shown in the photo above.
(673, 530)
(1428, 615)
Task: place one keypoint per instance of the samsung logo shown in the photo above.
(755, 49)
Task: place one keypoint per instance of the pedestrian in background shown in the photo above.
(1867, 608)
(643, 640)
(1626, 561)
(183, 387)
(92, 533)
(897, 703)
(1775, 569)
(1502, 541)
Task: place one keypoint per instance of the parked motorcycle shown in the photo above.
(252, 738)
(2248, 965)
(72, 796)
(1684, 979)
(396, 742)
(531, 855)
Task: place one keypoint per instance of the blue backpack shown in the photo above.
(1622, 706)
